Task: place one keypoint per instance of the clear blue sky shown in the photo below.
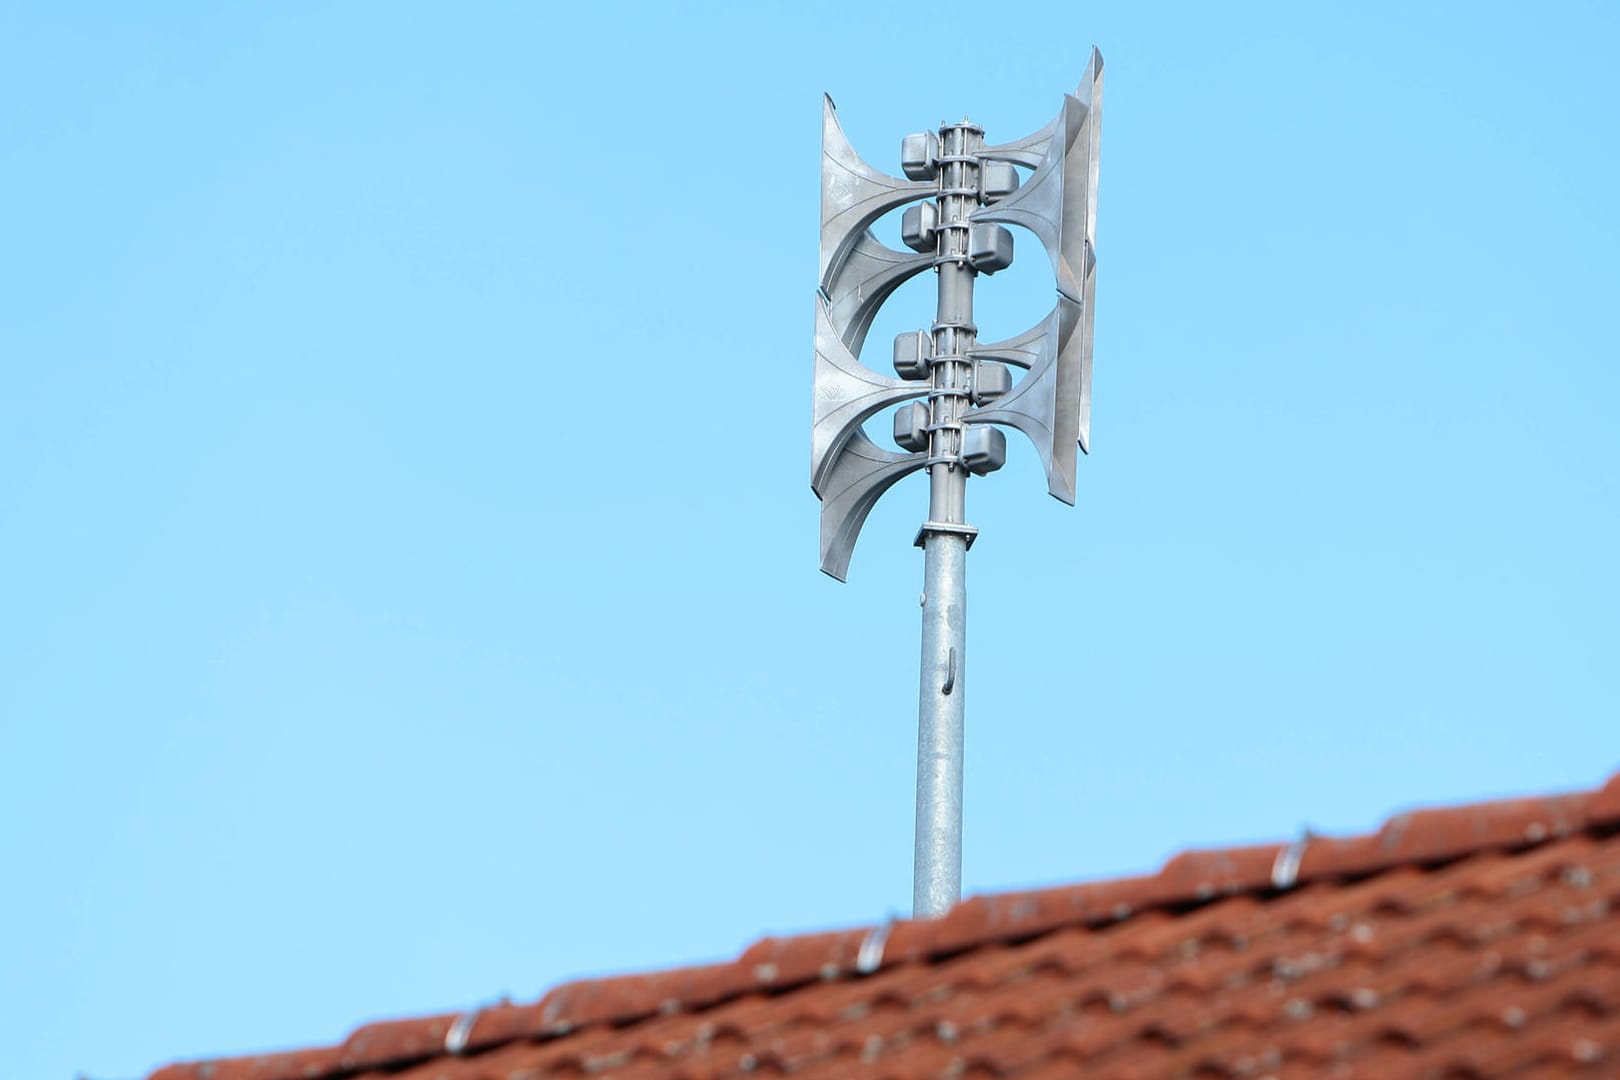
(408, 588)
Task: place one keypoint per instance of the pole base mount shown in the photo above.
(967, 531)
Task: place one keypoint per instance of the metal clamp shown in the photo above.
(968, 532)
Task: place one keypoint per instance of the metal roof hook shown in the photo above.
(870, 956)
(1285, 871)
(455, 1040)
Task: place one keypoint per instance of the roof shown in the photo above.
(1472, 941)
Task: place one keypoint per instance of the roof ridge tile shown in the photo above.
(1446, 833)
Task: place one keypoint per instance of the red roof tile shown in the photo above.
(1466, 942)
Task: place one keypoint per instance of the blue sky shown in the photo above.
(407, 564)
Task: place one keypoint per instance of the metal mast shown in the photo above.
(963, 193)
(944, 537)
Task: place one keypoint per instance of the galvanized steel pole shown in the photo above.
(937, 881)
(937, 876)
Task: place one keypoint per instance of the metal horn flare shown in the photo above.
(853, 194)
(866, 278)
(1044, 405)
(1058, 203)
(861, 472)
(846, 393)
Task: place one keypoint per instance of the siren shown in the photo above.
(853, 195)
(1043, 404)
(964, 195)
(1059, 205)
(1059, 202)
(1051, 404)
(846, 394)
(858, 273)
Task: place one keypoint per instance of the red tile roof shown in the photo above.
(1466, 942)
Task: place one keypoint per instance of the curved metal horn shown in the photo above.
(866, 278)
(1022, 351)
(846, 393)
(861, 472)
(1027, 151)
(853, 195)
(1059, 202)
(1045, 404)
